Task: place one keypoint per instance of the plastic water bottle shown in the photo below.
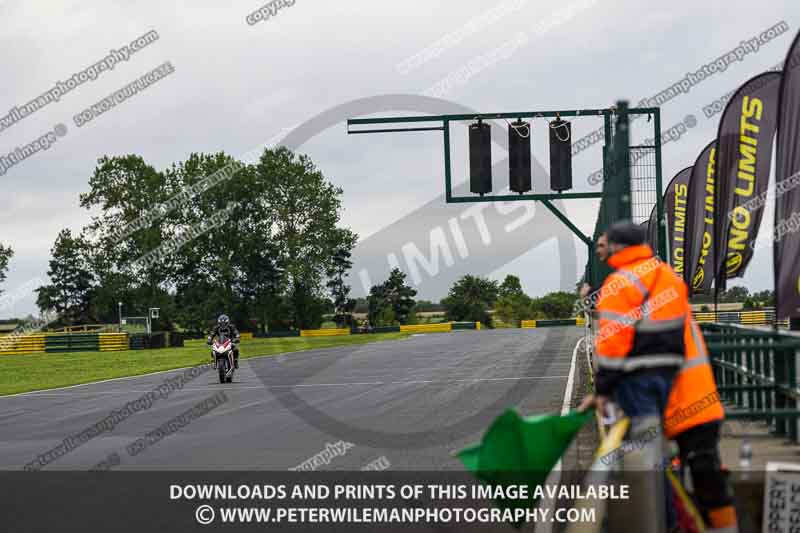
(745, 457)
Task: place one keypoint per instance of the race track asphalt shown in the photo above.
(406, 404)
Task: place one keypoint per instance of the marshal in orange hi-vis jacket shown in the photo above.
(646, 326)
(646, 323)
(642, 313)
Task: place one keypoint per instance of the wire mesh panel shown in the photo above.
(643, 182)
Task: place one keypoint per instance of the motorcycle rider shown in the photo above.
(225, 327)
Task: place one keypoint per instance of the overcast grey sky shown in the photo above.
(237, 85)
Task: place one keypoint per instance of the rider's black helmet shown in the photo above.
(223, 320)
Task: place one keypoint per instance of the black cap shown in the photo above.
(626, 233)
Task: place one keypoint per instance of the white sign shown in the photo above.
(782, 498)
(124, 321)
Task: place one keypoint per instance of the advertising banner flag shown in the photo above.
(744, 155)
(675, 203)
(786, 249)
(699, 246)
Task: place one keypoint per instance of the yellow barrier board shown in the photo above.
(247, 336)
(324, 332)
(22, 345)
(748, 318)
(113, 342)
(754, 318)
(428, 328)
(527, 324)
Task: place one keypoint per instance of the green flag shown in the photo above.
(521, 451)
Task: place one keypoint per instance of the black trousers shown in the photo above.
(699, 449)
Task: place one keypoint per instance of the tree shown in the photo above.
(379, 310)
(399, 295)
(340, 265)
(127, 192)
(511, 286)
(258, 284)
(426, 306)
(255, 241)
(511, 308)
(734, 294)
(391, 301)
(71, 281)
(513, 304)
(764, 298)
(228, 265)
(6, 253)
(558, 304)
(305, 307)
(470, 298)
(304, 210)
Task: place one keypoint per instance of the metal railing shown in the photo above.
(756, 374)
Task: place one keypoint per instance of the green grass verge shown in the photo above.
(24, 373)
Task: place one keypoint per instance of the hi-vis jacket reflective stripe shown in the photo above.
(694, 399)
(642, 310)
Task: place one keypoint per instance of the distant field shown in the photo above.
(23, 373)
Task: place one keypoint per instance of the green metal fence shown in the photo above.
(632, 182)
(756, 373)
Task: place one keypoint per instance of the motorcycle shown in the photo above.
(222, 348)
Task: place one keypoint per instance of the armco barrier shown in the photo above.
(113, 342)
(13, 345)
(763, 317)
(381, 329)
(270, 334)
(543, 323)
(76, 342)
(557, 322)
(331, 332)
(86, 342)
(428, 328)
(416, 328)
